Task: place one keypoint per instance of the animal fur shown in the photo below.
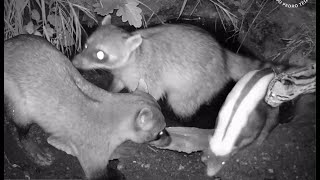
(181, 62)
(42, 86)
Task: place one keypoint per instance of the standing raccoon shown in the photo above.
(182, 62)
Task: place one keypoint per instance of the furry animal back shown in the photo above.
(181, 62)
(42, 86)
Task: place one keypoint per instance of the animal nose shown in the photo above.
(163, 139)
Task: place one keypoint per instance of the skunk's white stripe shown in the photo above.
(239, 104)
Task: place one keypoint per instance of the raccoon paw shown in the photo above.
(40, 156)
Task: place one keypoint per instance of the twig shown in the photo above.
(182, 8)
(251, 25)
(13, 165)
(267, 15)
(220, 17)
(152, 149)
(195, 7)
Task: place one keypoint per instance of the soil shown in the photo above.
(288, 153)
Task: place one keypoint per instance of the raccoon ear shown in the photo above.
(106, 20)
(134, 41)
(144, 119)
(142, 86)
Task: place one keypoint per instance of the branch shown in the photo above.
(288, 85)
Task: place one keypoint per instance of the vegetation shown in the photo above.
(56, 20)
(60, 21)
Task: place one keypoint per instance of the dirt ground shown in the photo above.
(289, 152)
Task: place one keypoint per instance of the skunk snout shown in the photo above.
(213, 162)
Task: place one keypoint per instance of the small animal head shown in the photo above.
(214, 162)
(109, 47)
(132, 116)
(149, 125)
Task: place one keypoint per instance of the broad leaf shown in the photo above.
(37, 33)
(131, 13)
(242, 12)
(107, 6)
(35, 15)
(50, 31)
(29, 27)
(243, 2)
(54, 20)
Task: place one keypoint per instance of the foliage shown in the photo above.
(126, 8)
(56, 20)
(130, 11)
(59, 21)
(300, 44)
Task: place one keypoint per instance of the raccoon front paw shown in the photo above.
(40, 156)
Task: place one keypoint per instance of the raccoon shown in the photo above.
(42, 86)
(183, 63)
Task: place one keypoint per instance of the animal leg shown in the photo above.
(41, 156)
(271, 123)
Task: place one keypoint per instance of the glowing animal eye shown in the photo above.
(223, 162)
(159, 135)
(85, 46)
(100, 55)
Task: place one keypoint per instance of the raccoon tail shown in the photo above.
(239, 65)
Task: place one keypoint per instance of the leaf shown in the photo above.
(66, 39)
(15, 165)
(131, 13)
(236, 3)
(107, 6)
(50, 31)
(242, 12)
(86, 20)
(35, 15)
(37, 33)
(243, 2)
(20, 5)
(54, 20)
(29, 27)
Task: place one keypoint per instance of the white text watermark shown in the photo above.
(292, 5)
